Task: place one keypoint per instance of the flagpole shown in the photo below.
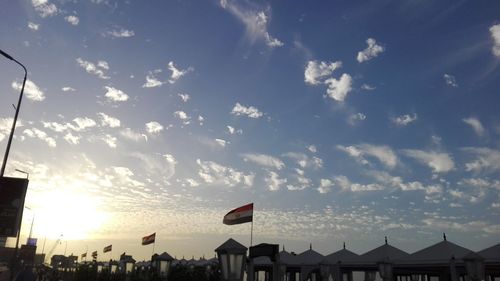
(251, 233)
(152, 252)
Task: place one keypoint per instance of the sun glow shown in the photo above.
(75, 215)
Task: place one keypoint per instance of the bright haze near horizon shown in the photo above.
(342, 121)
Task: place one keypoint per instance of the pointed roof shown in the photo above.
(343, 256)
(440, 252)
(309, 257)
(163, 257)
(287, 258)
(491, 253)
(383, 252)
(231, 245)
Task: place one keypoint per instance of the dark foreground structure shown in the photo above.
(443, 261)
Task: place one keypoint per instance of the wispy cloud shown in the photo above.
(186, 119)
(130, 134)
(264, 160)
(439, 162)
(475, 125)
(234, 131)
(383, 153)
(36, 133)
(255, 20)
(274, 182)
(404, 120)
(67, 89)
(108, 121)
(177, 73)
(304, 161)
(325, 186)
(355, 118)
(154, 127)
(91, 68)
(250, 111)
(113, 94)
(450, 80)
(119, 33)
(33, 26)
(72, 19)
(31, 90)
(152, 82)
(486, 159)
(214, 173)
(372, 51)
(184, 97)
(44, 8)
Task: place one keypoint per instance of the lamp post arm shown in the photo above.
(7, 150)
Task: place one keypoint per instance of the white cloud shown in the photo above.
(103, 64)
(110, 140)
(6, 125)
(67, 89)
(108, 121)
(191, 182)
(317, 70)
(74, 20)
(177, 73)
(221, 142)
(158, 164)
(476, 125)
(255, 21)
(305, 161)
(382, 153)
(84, 123)
(36, 133)
(338, 89)
(214, 173)
(31, 90)
(33, 26)
(487, 159)
(233, 131)
(450, 80)
(264, 160)
(355, 118)
(201, 119)
(184, 97)
(372, 51)
(152, 82)
(119, 33)
(346, 185)
(91, 68)
(439, 162)
(252, 112)
(274, 182)
(300, 182)
(325, 186)
(57, 127)
(154, 127)
(132, 135)
(183, 117)
(312, 148)
(72, 139)
(368, 87)
(114, 94)
(405, 119)
(44, 8)
(495, 35)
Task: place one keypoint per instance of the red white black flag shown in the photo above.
(107, 248)
(150, 239)
(239, 215)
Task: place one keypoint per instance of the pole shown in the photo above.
(153, 252)
(7, 150)
(251, 233)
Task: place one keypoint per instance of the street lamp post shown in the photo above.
(232, 257)
(6, 155)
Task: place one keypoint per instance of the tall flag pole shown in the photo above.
(239, 215)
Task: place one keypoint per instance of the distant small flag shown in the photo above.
(94, 254)
(239, 215)
(84, 255)
(146, 240)
(107, 248)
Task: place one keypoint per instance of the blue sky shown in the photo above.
(341, 121)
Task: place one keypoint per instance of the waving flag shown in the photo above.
(84, 255)
(94, 254)
(107, 249)
(239, 215)
(146, 240)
